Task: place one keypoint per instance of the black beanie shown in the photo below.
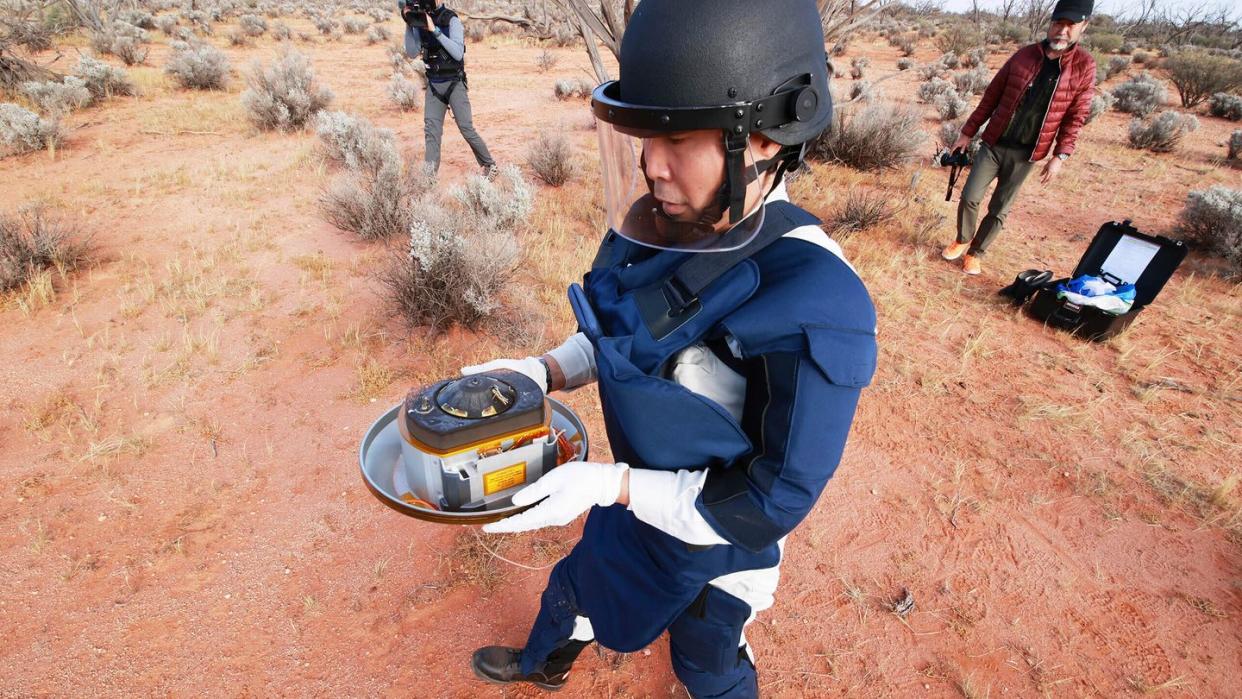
(1073, 10)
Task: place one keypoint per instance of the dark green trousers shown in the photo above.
(1009, 167)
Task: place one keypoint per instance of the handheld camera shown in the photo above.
(956, 161)
(415, 11)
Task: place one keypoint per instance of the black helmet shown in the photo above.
(741, 66)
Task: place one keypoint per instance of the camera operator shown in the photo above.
(1041, 94)
(436, 32)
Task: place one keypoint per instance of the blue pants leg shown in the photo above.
(555, 623)
(703, 643)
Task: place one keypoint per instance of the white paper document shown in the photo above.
(1129, 258)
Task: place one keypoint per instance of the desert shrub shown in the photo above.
(404, 92)
(1141, 57)
(1101, 102)
(1163, 133)
(572, 88)
(506, 201)
(166, 24)
(1198, 75)
(958, 39)
(377, 33)
(1234, 147)
(1012, 33)
(476, 31)
(22, 131)
(949, 131)
(32, 241)
(238, 37)
(976, 58)
(1213, 218)
(375, 204)
(284, 96)
(1226, 106)
(874, 137)
(325, 25)
(354, 25)
(252, 25)
(102, 79)
(551, 157)
(930, 71)
(857, 66)
(58, 97)
(455, 269)
(129, 50)
(1140, 95)
(930, 90)
(545, 61)
(1116, 66)
(184, 34)
(905, 63)
(863, 90)
(1106, 43)
(355, 142)
(862, 210)
(974, 81)
(137, 18)
(950, 105)
(950, 61)
(906, 46)
(838, 49)
(198, 66)
(281, 32)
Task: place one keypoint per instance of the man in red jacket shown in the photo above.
(1042, 94)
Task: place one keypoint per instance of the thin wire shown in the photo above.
(513, 563)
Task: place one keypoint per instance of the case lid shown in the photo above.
(1122, 251)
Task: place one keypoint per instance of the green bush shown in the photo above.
(1198, 75)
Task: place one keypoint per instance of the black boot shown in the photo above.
(502, 665)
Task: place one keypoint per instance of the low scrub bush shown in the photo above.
(166, 24)
(198, 66)
(58, 97)
(281, 32)
(958, 39)
(129, 50)
(377, 33)
(1140, 95)
(1106, 43)
(1163, 133)
(458, 263)
(325, 25)
(355, 142)
(950, 105)
(573, 88)
(507, 201)
(1141, 57)
(252, 25)
(858, 65)
(32, 241)
(1198, 75)
(930, 90)
(863, 90)
(950, 61)
(354, 25)
(1234, 147)
(906, 46)
(404, 93)
(1116, 66)
(973, 82)
(931, 71)
(545, 61)
(976, 58)
(284, 96)
(551, 157)
(1101, 102)
(375, 204)
(862, 210)
(101, 79)
(23, 131)
(874, 137)
(239, 38)
(1213, 219)
(1226, 106)
(905, 63)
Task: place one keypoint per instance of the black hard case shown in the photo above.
(1090, 322)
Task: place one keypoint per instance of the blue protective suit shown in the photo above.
(802, 330)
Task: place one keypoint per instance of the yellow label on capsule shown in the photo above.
(503, 478)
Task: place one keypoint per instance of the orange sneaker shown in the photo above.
(955, 251)
(971, 265)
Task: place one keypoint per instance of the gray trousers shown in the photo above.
(433, 122)
(1009, 167)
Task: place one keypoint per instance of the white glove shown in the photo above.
(571, 489)
(530, 366)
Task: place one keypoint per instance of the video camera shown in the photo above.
(956, 161)
(414, 12)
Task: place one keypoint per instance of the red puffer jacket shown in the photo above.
(1067, 110)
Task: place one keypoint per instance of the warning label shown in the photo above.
(503, 478)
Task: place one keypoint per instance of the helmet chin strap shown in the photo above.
(731, 196)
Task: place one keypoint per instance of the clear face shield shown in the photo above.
(670, 190)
